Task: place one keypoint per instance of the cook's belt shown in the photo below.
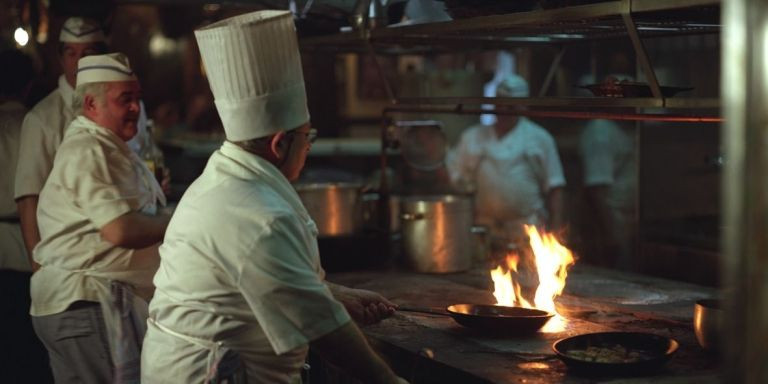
(13, 220)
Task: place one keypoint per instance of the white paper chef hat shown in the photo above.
(104, 68)
(81, 30)
(254, 69)
(513, 86)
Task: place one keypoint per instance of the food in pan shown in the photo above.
(609, 354)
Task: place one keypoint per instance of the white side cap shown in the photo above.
(254, 69)
(104, 68)
(513, 86)
(81, 30)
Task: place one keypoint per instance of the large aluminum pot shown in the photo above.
(336, 208)
(436, 232)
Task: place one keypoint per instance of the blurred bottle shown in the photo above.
(152, 155)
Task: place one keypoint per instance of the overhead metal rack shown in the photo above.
(652, 18)
(633, 19)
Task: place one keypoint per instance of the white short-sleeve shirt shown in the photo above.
(95, 179)
(13, 255)
(510, 175)
(240, 257)
(41, 135)
(608, 154)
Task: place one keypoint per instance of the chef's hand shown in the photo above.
(365, 307)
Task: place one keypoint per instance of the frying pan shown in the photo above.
(491, 318)
(652, 351)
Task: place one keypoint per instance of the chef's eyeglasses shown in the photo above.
(311, 134)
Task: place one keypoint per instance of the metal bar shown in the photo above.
(551, 73)
(460, 110)
(383, 190)
(665, 5)
(744, 87)
(570, 102)
(500, 22)
(642, 55)
(380, 70)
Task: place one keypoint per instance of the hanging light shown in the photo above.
(21, 36)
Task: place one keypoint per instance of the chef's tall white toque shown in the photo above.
(81, 30)
(104, 68)
(253, 66)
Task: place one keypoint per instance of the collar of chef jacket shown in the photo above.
(67, 92)
(267, 172)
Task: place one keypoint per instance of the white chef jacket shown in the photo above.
(95, 179)
(12, 252)
(608, 153)
(41, 135)
(510, 175)
(239, 265)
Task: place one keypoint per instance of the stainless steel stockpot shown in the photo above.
(436, 232)
(336, 207)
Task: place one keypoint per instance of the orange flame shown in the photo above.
(552, 260)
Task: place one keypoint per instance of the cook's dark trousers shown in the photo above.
(23, 358)
(77, 344)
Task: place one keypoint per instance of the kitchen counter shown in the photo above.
(427, 348)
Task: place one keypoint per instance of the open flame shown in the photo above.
(552, 260)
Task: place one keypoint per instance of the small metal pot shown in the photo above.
(336, 208)
(436, 232)
(708, 323)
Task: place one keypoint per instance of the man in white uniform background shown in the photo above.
(240, 276)
(610, 179)
(44, 125)
(23, 358)
(99, 234)
(514, 169)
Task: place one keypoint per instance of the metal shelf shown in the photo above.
(570, 102)
(629, 19)
(652, 18)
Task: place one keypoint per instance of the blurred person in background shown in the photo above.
(514, 169)
(23, 357)
(241, 294)
(100, 231)
(607, 150)
(45, 124)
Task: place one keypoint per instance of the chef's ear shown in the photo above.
(278, 145)
(89, 102)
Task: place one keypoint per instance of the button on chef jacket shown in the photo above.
(95, 179)
(13, 255)
(41, 135)
(511, 175)
(239, 264)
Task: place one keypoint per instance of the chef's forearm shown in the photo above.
(27, 207)
(135, 230)
(347, 348)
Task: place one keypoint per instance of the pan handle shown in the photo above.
(427, 310)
